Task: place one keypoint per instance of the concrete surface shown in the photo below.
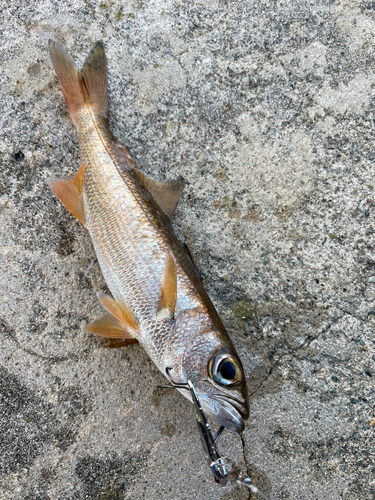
(267, 109)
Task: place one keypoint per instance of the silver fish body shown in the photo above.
(159, 298)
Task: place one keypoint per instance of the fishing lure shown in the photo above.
(218, 465)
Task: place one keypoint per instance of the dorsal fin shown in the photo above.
(166, 195)
(123, 153)
(119, 310)
(168, 296)
(69, 192)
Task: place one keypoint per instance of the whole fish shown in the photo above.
(158, 298)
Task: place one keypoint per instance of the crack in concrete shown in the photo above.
(307, 343)
(50, 358)
(263, 381)
(245, 460)
(347, 313)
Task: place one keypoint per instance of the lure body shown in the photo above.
(158, 298)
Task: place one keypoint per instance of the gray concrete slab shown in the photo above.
(267, 109)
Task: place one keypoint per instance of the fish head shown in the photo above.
(211, 363)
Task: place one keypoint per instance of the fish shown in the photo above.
(157, 295)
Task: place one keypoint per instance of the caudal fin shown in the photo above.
(88, 88)
(94, 78)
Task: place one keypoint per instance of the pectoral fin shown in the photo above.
(69, 192)
(166, 195)
(110, 328)
(119, 310)
(168, 295)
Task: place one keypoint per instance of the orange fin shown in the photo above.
(124, 154)
(107, 326)
(113, 343)
(86, 89)
(166, 195)
(119, 310)
(69, 192)
(168, 296)
(94, 80)
(110, 328)
(69, 78)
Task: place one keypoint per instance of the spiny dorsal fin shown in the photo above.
(110, 328)
(119, 310)
(187, 251)
(69, 192)
(168, 295)
(166, 195)
(94, 80)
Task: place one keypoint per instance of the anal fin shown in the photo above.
(166, 195)
(69, 192)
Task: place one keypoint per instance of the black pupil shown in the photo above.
(228, 370)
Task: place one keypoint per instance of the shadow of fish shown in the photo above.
(158, 298)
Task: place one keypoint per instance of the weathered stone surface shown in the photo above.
(267, 110)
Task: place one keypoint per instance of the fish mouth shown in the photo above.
(227, 411)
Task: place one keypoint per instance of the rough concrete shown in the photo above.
(267, 109)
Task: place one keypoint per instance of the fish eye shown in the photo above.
(225, 370)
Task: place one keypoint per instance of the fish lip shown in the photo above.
(231, 414)
(240, 406)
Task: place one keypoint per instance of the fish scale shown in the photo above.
(122, 243)
(158, 297)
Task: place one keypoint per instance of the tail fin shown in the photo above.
(94, 78)
(89, 87)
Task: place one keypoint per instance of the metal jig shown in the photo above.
(217, 464)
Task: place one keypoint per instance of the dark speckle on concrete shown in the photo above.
(168, 429)
(29, 424)
(19, 156)
(108, 479)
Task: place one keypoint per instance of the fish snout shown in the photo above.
(228, 412)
